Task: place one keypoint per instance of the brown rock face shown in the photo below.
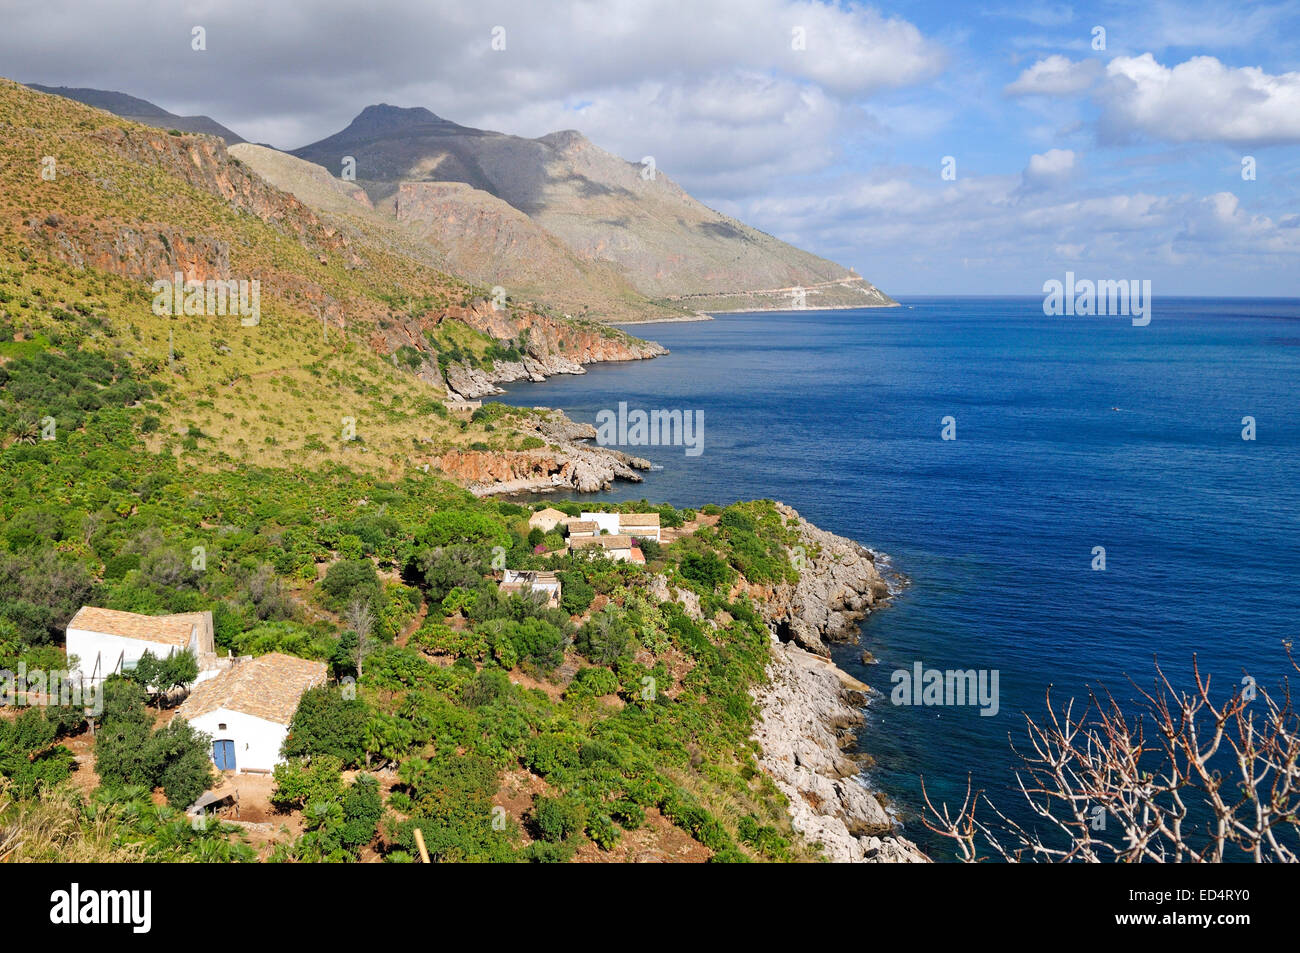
(568, 463)
(585, 469)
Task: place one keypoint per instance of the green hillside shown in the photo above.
(160, 464)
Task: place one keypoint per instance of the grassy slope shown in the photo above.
(272, 394)
(109, 512)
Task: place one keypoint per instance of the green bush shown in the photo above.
(325, 723)
(558, 818)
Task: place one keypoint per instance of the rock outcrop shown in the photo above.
(839, 583)
(568, 462)
(810, 709)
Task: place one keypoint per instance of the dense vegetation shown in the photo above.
(159, 466)
(619, 706)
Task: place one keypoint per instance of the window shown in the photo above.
(221, 726)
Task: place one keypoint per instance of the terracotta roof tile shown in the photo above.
(638, 519)
(267, 687)
(604, 542)
(166, 629)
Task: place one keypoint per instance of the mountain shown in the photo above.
(140, 110)
(555, 221)
(669, 247)
(353, 322)
(464, 231)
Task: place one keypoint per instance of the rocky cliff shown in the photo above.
(839, 583)
(811, 709)
(567, 462)
(550, 347)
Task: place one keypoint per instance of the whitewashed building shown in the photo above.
(605, 522)
(103, 642)
(527, 582)
(640, 525)
(618, 548)
(247, 708)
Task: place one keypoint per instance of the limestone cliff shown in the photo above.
(811, 709)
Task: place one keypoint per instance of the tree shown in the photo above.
(360, 619)
(362, 808)
(327, 723)
(445, 568)
(128, 753)
(159, 676)
(29, 756)
(180, 764)
(1210, 782)
(604, 638)
(350, 580)
(576, 592)
(122, 739)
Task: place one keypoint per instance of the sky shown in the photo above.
(938, 148)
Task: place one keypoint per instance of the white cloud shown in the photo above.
(1054, 165)
(1200, 100)
(1039, 14)
(1055, 76)
(906, 221)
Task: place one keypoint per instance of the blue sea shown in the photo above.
(1071, 433)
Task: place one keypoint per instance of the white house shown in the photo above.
(605, 522)
(247, 708)
(640, 525)
(529, 581)
(104, 642)
(617, 548)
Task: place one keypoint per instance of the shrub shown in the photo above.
(558, 818)
(328, 724)
(350, 580)
(575, 592)
(706, 570)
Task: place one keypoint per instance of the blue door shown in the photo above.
(223, 754)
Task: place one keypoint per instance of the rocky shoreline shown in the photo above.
(567, 462)
(810, 709)
(546, 347)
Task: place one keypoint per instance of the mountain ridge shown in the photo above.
(668, 245)
(140, 110)
(554, 219)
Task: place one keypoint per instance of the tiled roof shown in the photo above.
(582, 526)
(638, 519)
(165, 629)
(268, 687)
(549, 513)
(604, 542)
